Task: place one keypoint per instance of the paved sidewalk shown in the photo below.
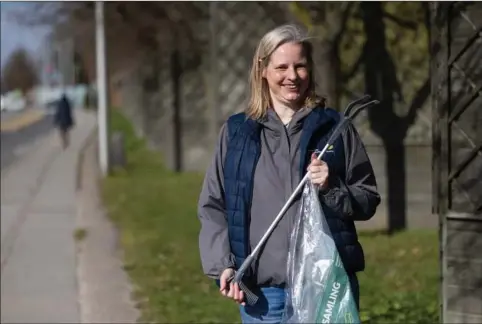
(104, 287)
(38, 215)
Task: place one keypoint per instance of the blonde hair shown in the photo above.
(259, 100)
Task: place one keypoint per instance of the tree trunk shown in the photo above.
(396, 181)
(328, 72)
(381, 83)
(176, 109)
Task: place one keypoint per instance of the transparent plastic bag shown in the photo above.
(318, 287)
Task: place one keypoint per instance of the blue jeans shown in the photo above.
(271, 304)
(268, 309)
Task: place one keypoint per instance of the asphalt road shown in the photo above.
(15, 144)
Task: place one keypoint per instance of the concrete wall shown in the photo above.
(419, 187)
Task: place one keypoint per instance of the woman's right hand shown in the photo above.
(230, 289)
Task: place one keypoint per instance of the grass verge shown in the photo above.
(155, 211)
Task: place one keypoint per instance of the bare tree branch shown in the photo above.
(417, 103)
(400, 21)
(354, 69)
(340, 27)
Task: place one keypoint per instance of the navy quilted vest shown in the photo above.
(243, 151)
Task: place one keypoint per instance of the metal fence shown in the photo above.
(179, 95)
(180, 91)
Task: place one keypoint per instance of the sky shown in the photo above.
(13, 35)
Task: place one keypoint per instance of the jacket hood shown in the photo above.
(273, 123)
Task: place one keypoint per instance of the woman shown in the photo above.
(261, 156)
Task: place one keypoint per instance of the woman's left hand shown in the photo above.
(318, 172)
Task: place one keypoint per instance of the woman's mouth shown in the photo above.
(291, 86)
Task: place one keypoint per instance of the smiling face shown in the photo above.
(287, 75)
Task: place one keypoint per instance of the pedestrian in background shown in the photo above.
(63, 120)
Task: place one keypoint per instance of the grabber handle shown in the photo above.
(250, 297)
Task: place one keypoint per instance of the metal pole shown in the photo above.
(176, 114)
(71, 63)
(101, 89)
(60, 63)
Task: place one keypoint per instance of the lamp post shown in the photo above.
(102, 110)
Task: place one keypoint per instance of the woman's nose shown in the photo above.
(292, 75)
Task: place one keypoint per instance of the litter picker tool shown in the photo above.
(347, 117)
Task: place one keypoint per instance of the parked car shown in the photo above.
(13, 101)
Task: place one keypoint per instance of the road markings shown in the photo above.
(26, 119)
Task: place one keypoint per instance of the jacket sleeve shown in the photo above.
(356, 196)
(214, 246)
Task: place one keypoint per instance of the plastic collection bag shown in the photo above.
(318, 287)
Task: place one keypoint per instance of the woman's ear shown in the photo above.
(263, 72)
